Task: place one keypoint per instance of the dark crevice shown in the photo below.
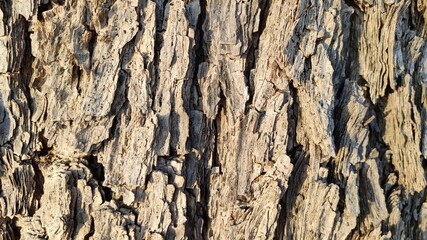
(424, 165)
(253, 45)
(202, 207)
(92, 43)
(9, 228)
(108, 194)
(45, 150)
(293, 112)
(216, 162)
(15, 228)
(98, 173)
(158, 44)
(26, 71)
(38, 188)
(75, 205)
(296, 153)
(58, 2)
(352, 54)
(174, 209)
(190, 171)
(43, 8)
(148, 178)
(114, 127)
(199, 49)
(77, 72)
(353, 4)
(172, 151)
(331, 166)
(196, 210)
(121, 101)
(97, 169)
(419, 200)
(89, 235)
(287, 203)
(416, 20)
(200, 53)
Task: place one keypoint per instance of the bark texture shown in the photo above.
(213, 119)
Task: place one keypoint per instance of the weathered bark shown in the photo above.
(208, 119)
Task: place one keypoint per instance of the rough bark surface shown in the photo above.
(213, 119)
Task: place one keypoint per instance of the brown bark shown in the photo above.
(208, 119)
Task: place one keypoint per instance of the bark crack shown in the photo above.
(98, 173)
(295, 151)
(251, 52)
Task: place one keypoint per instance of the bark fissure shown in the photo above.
(251, 58)
(98, 173)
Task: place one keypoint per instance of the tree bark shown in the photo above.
(209, 119)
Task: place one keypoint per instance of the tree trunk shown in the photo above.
(209, 119)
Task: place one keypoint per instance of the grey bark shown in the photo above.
(208, 119)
